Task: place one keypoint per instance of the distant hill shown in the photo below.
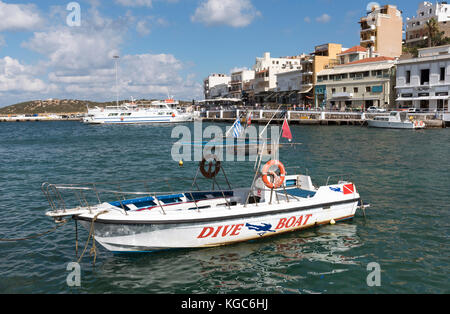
(62, 106)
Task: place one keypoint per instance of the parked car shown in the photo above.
(375, 109)
(412, 110)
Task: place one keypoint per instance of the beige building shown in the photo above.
(382, 31)
(359, 84)
(324, 56)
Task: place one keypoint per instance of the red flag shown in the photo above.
(249, 121)
(287, 131)
(349, 189)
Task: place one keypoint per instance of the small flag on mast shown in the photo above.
(286, 131)
(237, 128)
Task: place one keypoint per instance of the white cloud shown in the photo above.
(78, 61)
(307, 19)
(235, 13)
(16, 77)
(19, 17)
(324, 18)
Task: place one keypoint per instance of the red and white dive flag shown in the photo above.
(286, 131)
(349, 189)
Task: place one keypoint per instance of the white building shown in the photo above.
(266, 69)
(214, 80)
(238, 80)
(416, 30)
(219, 91)
(424, 82)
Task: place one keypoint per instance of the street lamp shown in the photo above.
(116, 60)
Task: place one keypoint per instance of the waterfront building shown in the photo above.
(219, 91)
(359, 84)
(382, 31)
(424, 82)
(416, 27)
(324, 57)
(212, 81)
(238, 80)
(266, 69)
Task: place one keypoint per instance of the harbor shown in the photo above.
(403, 229)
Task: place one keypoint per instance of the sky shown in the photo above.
(65, 49)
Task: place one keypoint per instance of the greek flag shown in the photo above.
(237, 128)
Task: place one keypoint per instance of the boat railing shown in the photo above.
(338, 178)
(65, 197)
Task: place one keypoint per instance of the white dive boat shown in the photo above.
(275, 203)
(395, 120)
(155, 112)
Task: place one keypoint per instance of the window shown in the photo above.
(355, 89)
(344, 89)
(408, 77)
(333, 90)
(368, 89)
(424, 77)
(442, 74)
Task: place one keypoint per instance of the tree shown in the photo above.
(434, 34)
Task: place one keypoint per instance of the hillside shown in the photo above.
(61, 106)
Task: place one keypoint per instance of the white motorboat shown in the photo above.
(129, 113)
(275, 203)
(395, 120)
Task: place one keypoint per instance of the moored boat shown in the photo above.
(395, 120)
(130, 113)
(275, 203)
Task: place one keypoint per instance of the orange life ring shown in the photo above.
(422, 124)
(173, 115)
(277, 179)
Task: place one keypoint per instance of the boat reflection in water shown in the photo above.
(266, 265)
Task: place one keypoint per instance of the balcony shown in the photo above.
(368, 28)
(370, 39)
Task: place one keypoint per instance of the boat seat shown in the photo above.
(300, 193)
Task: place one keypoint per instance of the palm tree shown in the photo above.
(433, 30)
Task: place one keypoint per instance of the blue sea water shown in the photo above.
(403, 174)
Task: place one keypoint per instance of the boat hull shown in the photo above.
(139, 120)
(155, 236)
(390, 125)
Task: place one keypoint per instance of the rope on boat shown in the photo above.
(59, 225)
(91, 235)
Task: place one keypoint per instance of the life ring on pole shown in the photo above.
(210, 173)
(277, 179)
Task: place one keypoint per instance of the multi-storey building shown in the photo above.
(324, 56)
(214, 80)
(424, 82)
(382, 31)
(238, 80)
(266, 69)
(359, 84)
(416, 27)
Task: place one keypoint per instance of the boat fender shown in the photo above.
(277, 179)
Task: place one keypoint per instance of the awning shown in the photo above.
(423, 98)
(307, 90)
(353, 69)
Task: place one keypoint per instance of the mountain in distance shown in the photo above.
(59, 106)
